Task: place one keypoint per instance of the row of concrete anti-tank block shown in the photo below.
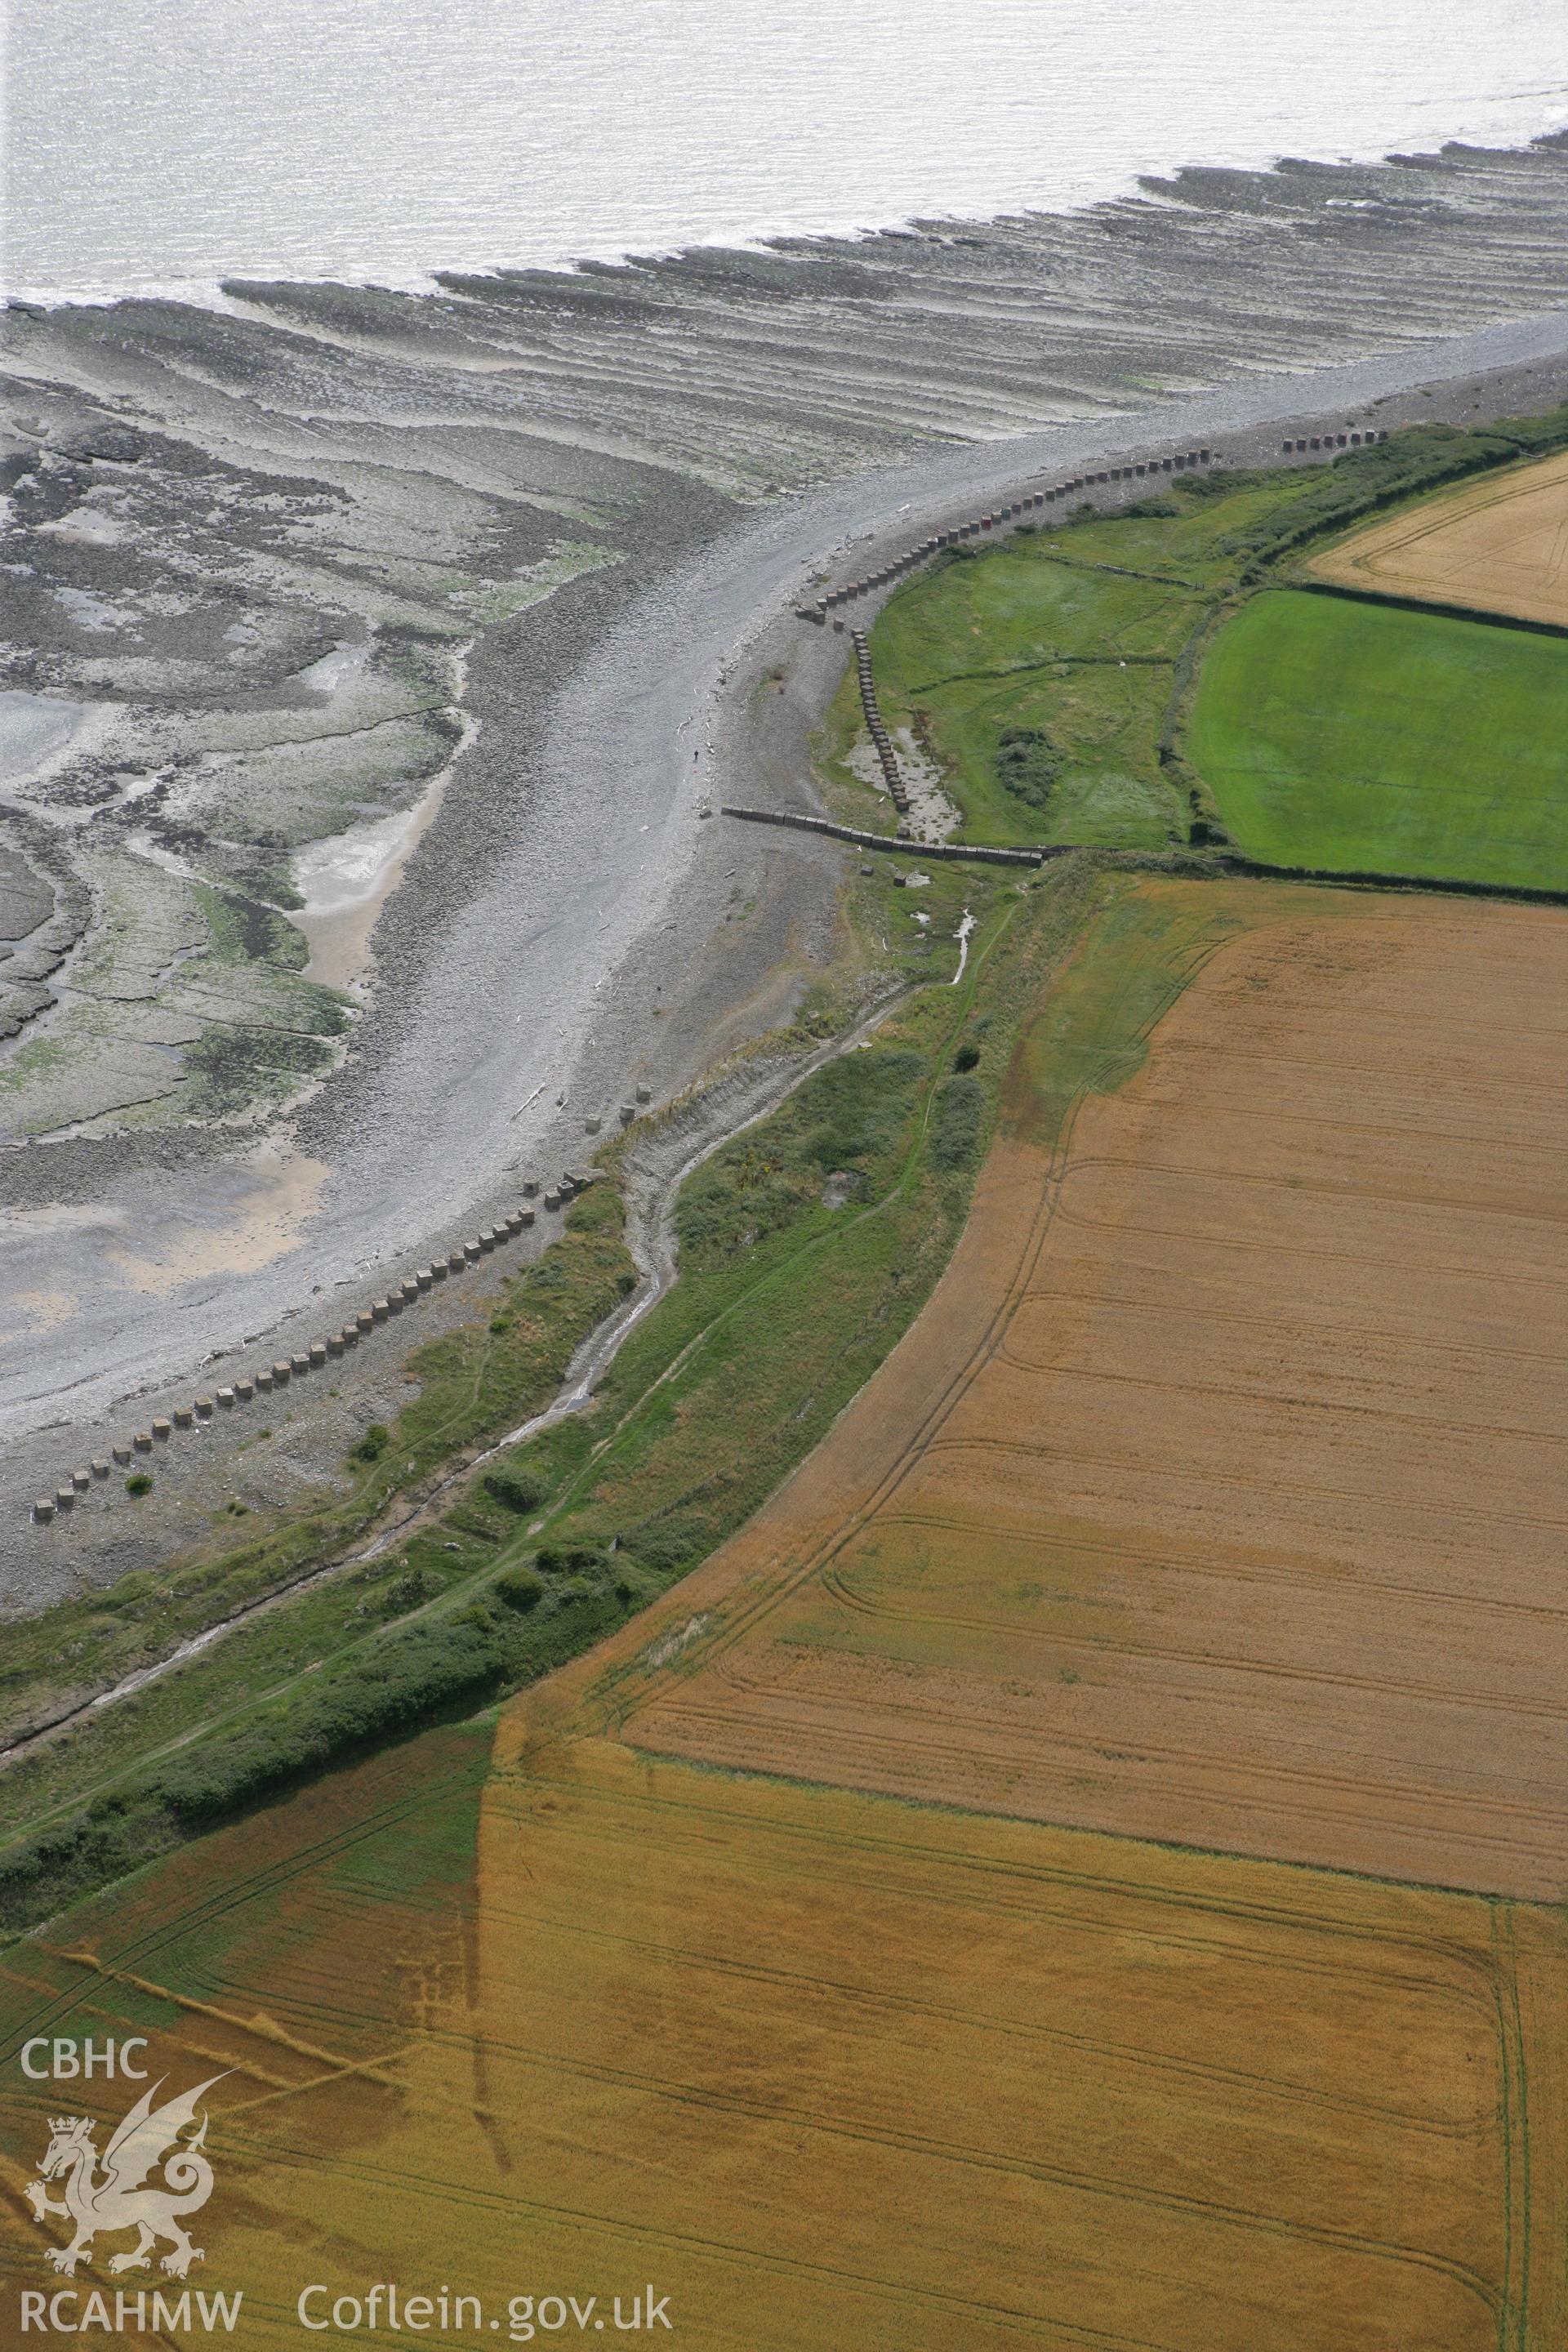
(320, 1353)
(916, 556)
(878, 725)
(1333, 441)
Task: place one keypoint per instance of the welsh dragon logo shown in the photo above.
(115, 2198)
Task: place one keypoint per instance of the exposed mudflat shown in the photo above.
(494, 586)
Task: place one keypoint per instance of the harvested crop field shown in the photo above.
(1347, 737)
(1220, 1494)
(1497, 545)
(826, 2069)
(775, 1958)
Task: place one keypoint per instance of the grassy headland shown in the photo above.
(1051, 676)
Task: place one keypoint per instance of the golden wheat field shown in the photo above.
(1497, 545)
(827, 2070)
(1220, 1494)
(843, 1952)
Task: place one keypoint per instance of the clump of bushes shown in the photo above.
(967, 1058)
(372, 1444)
(520, 1588)
(1028, 764)
(555, 1560)
(957, 1124)
(514, 1490)
(139, 1483)
(666, 1546)
(409, 1679)
(404, 1594)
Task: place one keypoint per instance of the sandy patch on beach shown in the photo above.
(262, 1222)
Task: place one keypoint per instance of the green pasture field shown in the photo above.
(1358, 738)
(1049, 676)
(1066, 644)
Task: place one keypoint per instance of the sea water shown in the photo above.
(169, 143)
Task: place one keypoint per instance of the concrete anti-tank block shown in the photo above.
(43, 1510)
(245, 1390)
(455, 1261)
(334, 1343)
(423, 1278)
(318, 1354)
(379, 1310)
(264, 1382)
(122, 1454)
(81, 1480)
(143, 1441)
(203, 1409)
(99, 1471)
(226, 1400)
(184, 1416)
(163, 1431)
(281, 1373)
(64, 1497)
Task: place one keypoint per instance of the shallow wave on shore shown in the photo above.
(163, 144)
